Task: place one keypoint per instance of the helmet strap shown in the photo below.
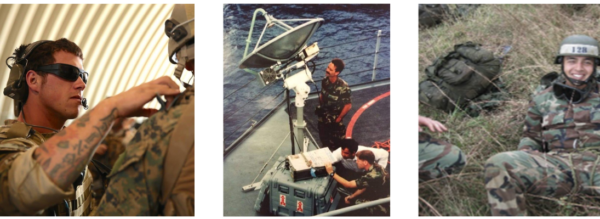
(184, 54)
(589, 81)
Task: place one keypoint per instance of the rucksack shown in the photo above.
(432, 14)
(460, 76)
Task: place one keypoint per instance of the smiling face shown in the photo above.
(59, 95)
(578, 68)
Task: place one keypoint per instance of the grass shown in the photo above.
(534, 32)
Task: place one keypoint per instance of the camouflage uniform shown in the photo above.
(569, 133)
(438, 158)
(374, 180)
(334, 97)
(115, 145)
(24, 187)
(136, 178)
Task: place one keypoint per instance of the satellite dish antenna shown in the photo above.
(281, 48)
(278, 56)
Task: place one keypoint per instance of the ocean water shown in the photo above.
(348, 32)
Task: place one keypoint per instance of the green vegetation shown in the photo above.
(534, 32)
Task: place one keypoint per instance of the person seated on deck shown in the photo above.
(369, 186)
(346, 156)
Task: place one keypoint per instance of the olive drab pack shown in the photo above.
(460, 77)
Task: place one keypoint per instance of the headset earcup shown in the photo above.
(15, 88)
(12, 85)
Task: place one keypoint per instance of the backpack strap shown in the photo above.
(181, 143)
(547, 79)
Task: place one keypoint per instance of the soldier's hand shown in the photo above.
(433, 125)
(101, 150)
(329, 168)
(347, 199)
(130, 103)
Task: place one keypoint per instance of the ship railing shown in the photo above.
(355, 207)
(252, 120)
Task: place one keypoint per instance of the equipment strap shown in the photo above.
(180, 145)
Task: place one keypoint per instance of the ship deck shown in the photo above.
(252, 156)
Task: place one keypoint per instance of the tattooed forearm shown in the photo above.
(63, 144)
(107, 121)
(92, 137)
(83, 120)
(66, 154)
(69, 159)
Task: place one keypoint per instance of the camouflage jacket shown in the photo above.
(334, 96)
(554, 124)
(16, 139)
(373, 180)
(137, 176)
(115, 145)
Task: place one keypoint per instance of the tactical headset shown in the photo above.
(17, 90)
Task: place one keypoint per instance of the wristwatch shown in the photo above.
(331, 174)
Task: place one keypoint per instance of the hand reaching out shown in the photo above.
(433, 125)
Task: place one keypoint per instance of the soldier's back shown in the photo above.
(136, 180)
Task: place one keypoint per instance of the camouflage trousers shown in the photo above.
(377, 210)
(438, 158)
(509, 175)
(329, 132)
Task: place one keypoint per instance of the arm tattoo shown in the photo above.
(63, 144)
(64, 159)
(81, 122)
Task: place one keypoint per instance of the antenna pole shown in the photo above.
(376, 54)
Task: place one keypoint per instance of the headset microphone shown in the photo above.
(84, 103)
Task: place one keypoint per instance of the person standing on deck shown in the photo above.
(334, 104)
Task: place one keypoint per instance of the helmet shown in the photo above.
(578, 45)
(180, 30)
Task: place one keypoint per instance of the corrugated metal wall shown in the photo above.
(123, 45)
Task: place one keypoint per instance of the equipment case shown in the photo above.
(310, 164)
(280, 195)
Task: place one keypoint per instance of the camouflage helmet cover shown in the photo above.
(578, 45)
(179, 28)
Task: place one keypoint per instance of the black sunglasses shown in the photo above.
(568, 93)
(65, 71)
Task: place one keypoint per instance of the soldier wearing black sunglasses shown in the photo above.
(42, 162)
